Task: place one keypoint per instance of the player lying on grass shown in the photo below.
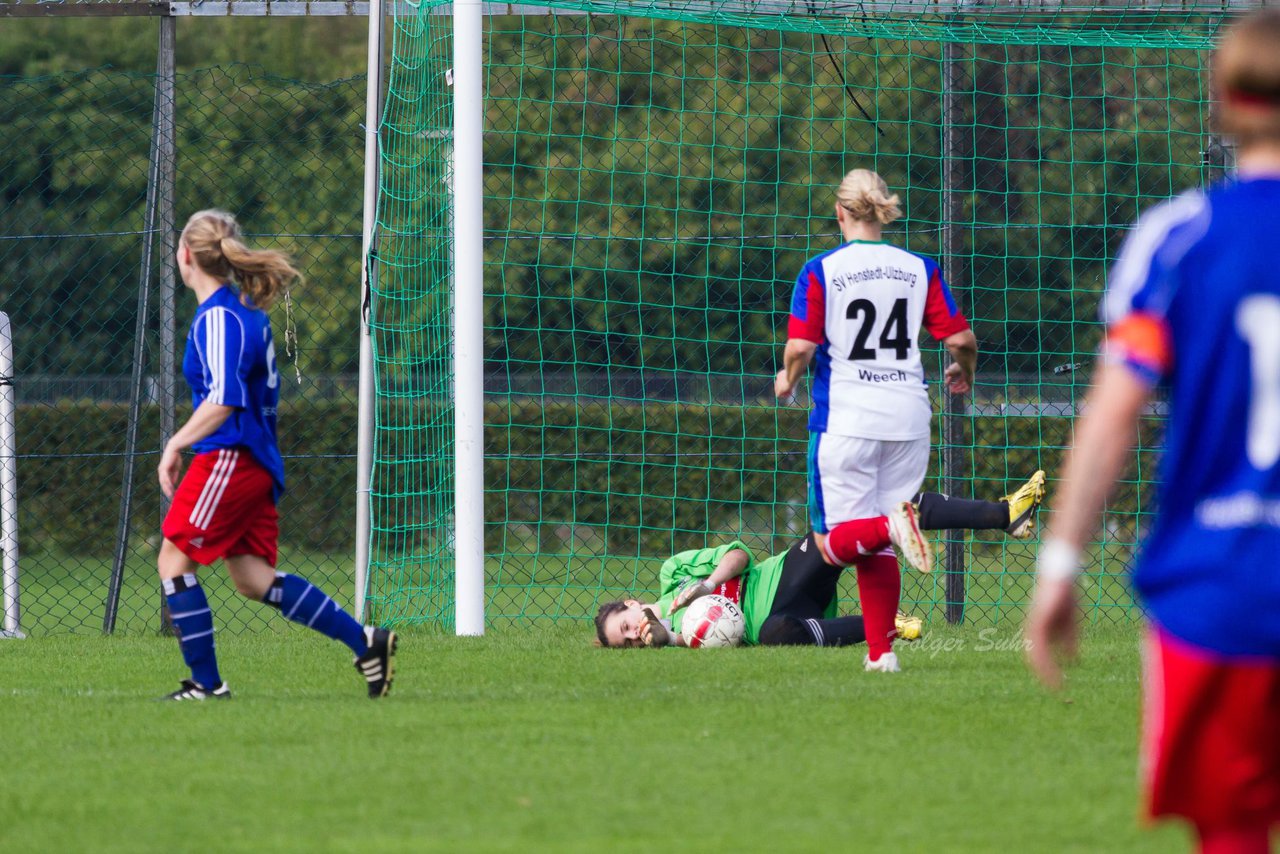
(789, 599)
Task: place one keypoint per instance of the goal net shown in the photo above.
(655, 175)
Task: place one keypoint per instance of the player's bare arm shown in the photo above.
(963, 347)
(207, 418)
(796, 357)
(1104, 435)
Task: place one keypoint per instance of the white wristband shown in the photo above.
(1058, 561)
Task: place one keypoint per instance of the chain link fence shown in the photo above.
(652, 187)
(286, 157)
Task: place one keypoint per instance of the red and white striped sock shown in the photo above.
(851, 541)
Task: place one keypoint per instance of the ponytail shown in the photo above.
(213, 236)
(261, 273)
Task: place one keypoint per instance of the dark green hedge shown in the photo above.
(644, 477)
(71, 467)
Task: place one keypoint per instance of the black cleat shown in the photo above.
(376, 665)
(192, 690)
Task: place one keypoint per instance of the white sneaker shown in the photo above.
(887, 663)
(904, 533)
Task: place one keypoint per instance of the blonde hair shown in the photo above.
(217, 248)
(1245, 77)
(865, 196)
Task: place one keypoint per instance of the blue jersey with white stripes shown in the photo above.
(231, 360)
(1193, 303)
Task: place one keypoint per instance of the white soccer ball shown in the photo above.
(713, 620)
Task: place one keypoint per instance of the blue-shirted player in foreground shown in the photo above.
(1193, 304)
(225, 505)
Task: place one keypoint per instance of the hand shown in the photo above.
(783, 387)
(1051, 632)
(958, 382)
(685, 595)
(652, 631)
(169, 470)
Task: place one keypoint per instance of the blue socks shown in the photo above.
(193, 621)
(294, 597)
(303, 603)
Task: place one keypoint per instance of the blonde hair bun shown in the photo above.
(866, 196)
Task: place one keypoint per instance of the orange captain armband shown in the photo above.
(1142, 342)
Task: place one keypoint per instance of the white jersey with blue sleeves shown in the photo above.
(863, 304)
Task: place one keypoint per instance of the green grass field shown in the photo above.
(533, 741)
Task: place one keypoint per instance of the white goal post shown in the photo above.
(467, 240)
(8, 486)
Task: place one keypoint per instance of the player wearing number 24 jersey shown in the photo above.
(1193, 307)
(856, 313)
(863, 305)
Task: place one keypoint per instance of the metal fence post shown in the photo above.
(166, 224)
(159, 190)
(12, 624)
(953, 453)
(167, 228)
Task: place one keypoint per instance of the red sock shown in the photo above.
(1234, 840)
(879, 586)
(851, 541)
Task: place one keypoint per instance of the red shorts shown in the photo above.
(223, 508)
(1211, 735)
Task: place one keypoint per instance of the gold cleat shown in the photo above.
(909, 628)
(1022, 507)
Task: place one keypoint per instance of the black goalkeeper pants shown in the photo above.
(805, 591)
(808, 583)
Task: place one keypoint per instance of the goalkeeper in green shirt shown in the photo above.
(789, 599)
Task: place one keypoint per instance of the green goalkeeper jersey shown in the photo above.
(754, 590)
